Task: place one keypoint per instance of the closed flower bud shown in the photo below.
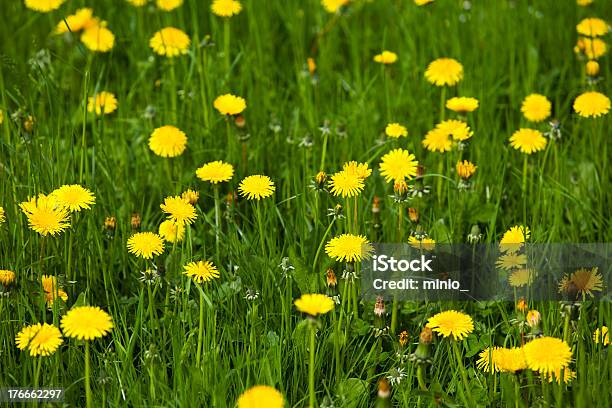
(331, 278)
(240, 121)
(321, 179)
(521, 305)
(403, 338)
(400, 187)
(379, 306)
(190, 196)
(110, 223)
(135, 221)
(384, 389)
(413, 214)
(533, 318)
(592, 68)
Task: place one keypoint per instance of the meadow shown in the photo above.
(188, 190)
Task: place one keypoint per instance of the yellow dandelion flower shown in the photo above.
(43, 6)
(168, 141)
(511, 261)
(444, 71)
(457, 129)
(386, 57)
(583, 282)
(398, 164)
(226, 8)
(466, 169)
(201, 271)
(396, 130)
(98, 38)
(489, 359)
(229, 104)
(261, 396)
(102, 103)
(462, 104)
(168, 5)
(361, 170)
(423, 2)
(425, 243)
(172, 232)
(52, 289)
(593, 27)
(547, 354)
(215, 172)
(536, 107)
(145, 244)
(1, 116)
(190, 196)
(45, 341)
(437, 140)
(451, 323)
(512, 360)
(528, 141)
(2, 215)
(333, 6)
(256, 187)
(592, 48)
(25, 335)
(592, 104)
(584, 3)
(137, 3)
(533, 318)
(514, 238)
(601, 336)
(86, 323)
(314, 304)
(522, 277)
(349, 248)
(45, 216)
(7, 277)
(170, 42)
(179, 210)
(346, 184)
(82, 19)
(73, 197)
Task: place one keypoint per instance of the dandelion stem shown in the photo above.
(524, 188)
(217, 222)
(87, 374)
(316, 258)
(421, 378)
(226, 45)
(200, 330)
(311, 383)
(261, 229)
(466, 385)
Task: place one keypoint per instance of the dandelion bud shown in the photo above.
(190, 196)
(592, 68)
(331, 278)
(413, 214)
(533, 318)
(321, 179)
(475, 235)
(110, 223)
(466, 169)
(135, 221)
(312, 65)
(240, 121)
(423, 352)
(400, 187)
(28, 123)
(379, 306)
(426, 336)
(7, 277)
(403, 338)
(384, 390)
(420, 170)
(521, 305)
(230, 198)
(376, 205)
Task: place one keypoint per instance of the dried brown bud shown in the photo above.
(135, 221)
(376, 205)
(379, 306)
(521, 305)
(110, 223)
(331, 278)
(384, 389)
(403, 338)
(426, 336)
(420, 170)
(413, 214)
(240, 121)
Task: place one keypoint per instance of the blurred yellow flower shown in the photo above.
(592, 68)
(422, 2)
(582, 282)
(314, 304)
(137, 3)
(333, 6)
(593, 27)
(361, 170)
(536, 107)
(424, 242)
(444, 71)
(462, 104)
(98, 38)
(466, 169)
(592, 48)
(592, 104)
(52, 289)
(601, 336)
(171, 232)
(168, 5)
(102, 103)
(457, 129)
(2, 215)
(168, 141)
(514, 238)
(226, 8)
(528, 141)
(215, 172)
(437, 140)
(43, 6)
(547, 354)
(261, 396)
(386, 57)
(229, 104)
(170, 42)
(82, 19)
(7, 277)
(395, 130)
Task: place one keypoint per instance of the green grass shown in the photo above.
(509, 49)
